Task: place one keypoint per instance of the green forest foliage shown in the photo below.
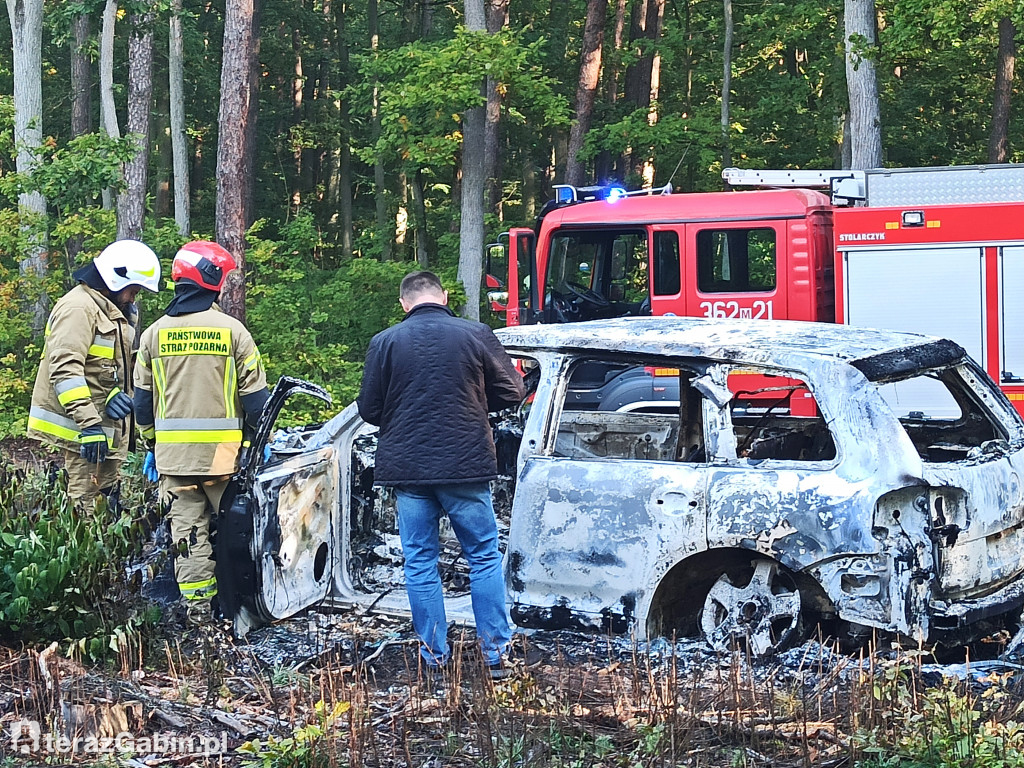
(312, 306)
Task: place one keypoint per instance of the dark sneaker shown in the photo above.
(519, 656)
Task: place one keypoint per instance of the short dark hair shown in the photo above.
(416, 283)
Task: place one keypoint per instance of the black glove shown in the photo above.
(119, 405)
(93, 444)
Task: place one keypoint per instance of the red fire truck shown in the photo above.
(933, 250)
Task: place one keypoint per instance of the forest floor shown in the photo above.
(347, 689)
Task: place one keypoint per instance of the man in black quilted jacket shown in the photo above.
(429, 384)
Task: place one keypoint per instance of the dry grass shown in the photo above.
(595, 702)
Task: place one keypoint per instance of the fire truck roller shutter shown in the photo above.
(935, 291)
(1011, 314)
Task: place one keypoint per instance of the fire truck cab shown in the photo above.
(938, 251)
(665, 254)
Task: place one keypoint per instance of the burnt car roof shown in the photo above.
(782, 343)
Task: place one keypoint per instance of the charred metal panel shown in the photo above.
(977, 528)
(900, 362)
(294, 535)
(592, 539)
(900, 524)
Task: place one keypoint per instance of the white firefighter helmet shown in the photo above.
(128, 262)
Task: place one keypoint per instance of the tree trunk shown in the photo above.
(108, 110)
(419, 213)
(497, 18)
(297, 82)
(179, 144)
(379, 183)
(81, 99)
(426, 18)
(345, 160)
(402, 218)
(586, 88)
(726, 83)
(131, 203)
(471, 225)
(603, 164)
(645, 31)
(249, 143)
(862, 83)
(27, 36)
(999, 138)
(81, 79)
(234, 172)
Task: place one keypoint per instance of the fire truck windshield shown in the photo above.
(596, 274)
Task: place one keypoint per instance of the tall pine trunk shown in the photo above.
(27, 34)
(862, 82)
(726, 83)
(236, 120)
(999, 137)
(179, 144)
(497, 18)
(379, 183)
(131, 203)
(345, 159)
(81, 78)
(108, 110)
(586, 88)
(471, 225)
(81, 98)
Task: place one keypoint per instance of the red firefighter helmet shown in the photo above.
(204, 263)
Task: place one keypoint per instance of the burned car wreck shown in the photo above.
(798, 474)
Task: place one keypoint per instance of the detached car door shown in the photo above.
(274, 541)
(293, 532)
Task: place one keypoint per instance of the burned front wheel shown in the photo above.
(756, 607)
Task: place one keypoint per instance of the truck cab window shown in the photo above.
(666, 264)
(596, 274)
(736, 260)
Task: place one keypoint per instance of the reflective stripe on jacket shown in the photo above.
(86, 354)
(197, 366)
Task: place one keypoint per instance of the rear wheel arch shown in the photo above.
(678, 600)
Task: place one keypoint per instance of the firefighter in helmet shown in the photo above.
(199, 381)
(82, 400)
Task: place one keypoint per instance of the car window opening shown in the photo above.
(942, 417)
(638, 410)
(777, 417)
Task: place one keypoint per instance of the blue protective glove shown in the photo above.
(93, 444)
(119, 405)
(149, 467)
(266, 453)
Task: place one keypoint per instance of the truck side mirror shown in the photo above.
(496, 266)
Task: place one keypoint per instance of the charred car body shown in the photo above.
(804, 473)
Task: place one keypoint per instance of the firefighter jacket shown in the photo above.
(197, 366)
(85, 362)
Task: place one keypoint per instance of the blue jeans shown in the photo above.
(469, 508)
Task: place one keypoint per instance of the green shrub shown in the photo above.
(62, 568)
(947, 726)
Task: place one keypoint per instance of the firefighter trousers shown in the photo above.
(190, 501)
(86, 479)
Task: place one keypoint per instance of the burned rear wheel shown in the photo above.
(756, 607)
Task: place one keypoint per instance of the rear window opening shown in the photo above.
(776, 417)
(942, 415)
